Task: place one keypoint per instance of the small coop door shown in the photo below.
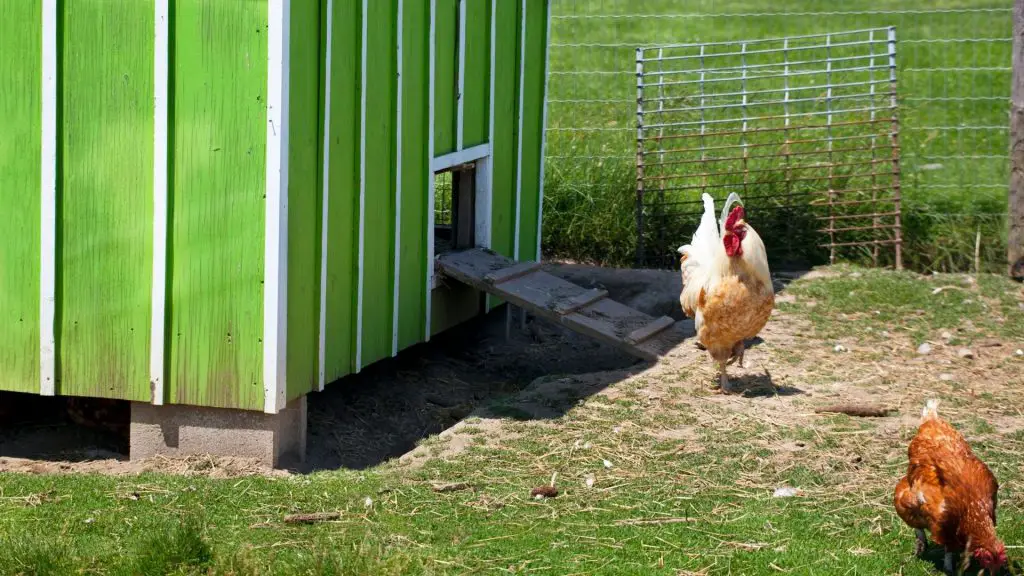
(460, 212)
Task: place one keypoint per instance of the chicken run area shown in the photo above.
(360, 304)
(426, 464)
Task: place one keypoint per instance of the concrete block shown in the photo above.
(277, 440)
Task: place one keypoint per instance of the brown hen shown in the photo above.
(950, 493)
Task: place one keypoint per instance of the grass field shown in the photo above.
(953, 74)
(658, 474)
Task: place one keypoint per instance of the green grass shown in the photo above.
(954, 166)
(665, 506)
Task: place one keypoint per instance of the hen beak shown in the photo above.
(680, 249)
(741, 223)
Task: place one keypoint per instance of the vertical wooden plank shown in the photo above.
(326, 57)
(412, 253)
(520, 117)
(446, 40)
(303, 199)
(49, 166)
(396, 283)
(20, 158)
(275, 270)
(379, 200)
(543, 128)
(532, 131)
(477, 85)
(504, 146)
(342, 190)
(158, 298)
(217, 203)
(431, 193)
(106, 199)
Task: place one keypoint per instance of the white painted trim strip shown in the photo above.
(362, 194)
(48, 224)
(519, 153)
(453, 159)
(158, 299)
(460, 97)
(326, 197)
(490, 128)
(430, 176)
(543, 130)
(275, 285)
(396, 303)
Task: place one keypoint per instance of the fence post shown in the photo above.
(640, 255)
(1015, 239)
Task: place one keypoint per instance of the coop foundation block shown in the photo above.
(277, 440)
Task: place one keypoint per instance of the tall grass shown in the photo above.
(953, 63)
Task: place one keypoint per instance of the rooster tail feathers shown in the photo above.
(931, 409)
(732, 199)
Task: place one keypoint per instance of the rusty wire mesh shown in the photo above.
(806, 125)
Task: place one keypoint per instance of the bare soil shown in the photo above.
(467, 386)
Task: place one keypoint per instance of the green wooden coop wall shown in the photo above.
(351, 201)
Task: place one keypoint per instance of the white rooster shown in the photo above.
(727, 286)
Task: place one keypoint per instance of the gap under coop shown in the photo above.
(804, 127)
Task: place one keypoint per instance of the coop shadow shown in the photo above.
(386, 410)
(38, 428)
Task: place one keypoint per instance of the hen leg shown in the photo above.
(723, 380)
(921, 544)
(737, 354)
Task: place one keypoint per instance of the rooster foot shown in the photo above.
(921, 543)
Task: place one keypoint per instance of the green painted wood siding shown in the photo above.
(343, 189)
(446, 62)
(104, 270)
(533, 131)
(304, 201)
(218, 183)
(476, 96)
(415, 168)
(379, 184)
(217, 146)
(20, 79)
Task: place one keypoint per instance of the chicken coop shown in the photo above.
(229, 205)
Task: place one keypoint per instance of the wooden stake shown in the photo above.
(1015, 238)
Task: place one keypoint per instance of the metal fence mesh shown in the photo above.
(954, 79)
(805, 125)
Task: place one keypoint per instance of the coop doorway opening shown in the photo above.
(455, 209)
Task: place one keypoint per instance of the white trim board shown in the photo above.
(48, 223)
(543, 130)
(453, 159)
(489, 166)
(275, 285)
(362, 195)
(459, 97)
(325, 200)
(519, 137)
(396, 255)
(158, 299)
(431, 279)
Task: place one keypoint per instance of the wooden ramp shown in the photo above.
(588, 312)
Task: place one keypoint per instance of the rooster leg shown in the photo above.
(947, 564)
(922, 542)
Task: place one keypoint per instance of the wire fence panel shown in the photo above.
(954, 79)
(804, 126)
